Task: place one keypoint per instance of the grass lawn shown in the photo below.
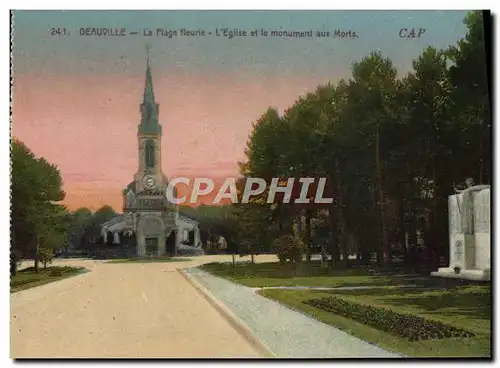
(274, 274)
(149, 260)
(460, 303)
(28, 278)
(467, 307)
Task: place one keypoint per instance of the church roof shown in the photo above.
(130, 186)
(186, 217)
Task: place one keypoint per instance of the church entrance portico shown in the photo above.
(150, 236)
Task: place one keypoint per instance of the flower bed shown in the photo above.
(404, 325)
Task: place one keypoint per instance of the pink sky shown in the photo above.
(87, 124)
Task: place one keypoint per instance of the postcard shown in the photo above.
(250, 184)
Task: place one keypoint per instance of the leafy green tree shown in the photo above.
(392, 150)
(430, 106)
(254, 228)
(469, 79)
(373, 91)
(79, 220)
(92, 233)
(289, 249)
(45, 255)
(307, 131)
(36, 218)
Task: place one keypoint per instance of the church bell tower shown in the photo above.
(149, 132)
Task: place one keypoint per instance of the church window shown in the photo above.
(150, 154)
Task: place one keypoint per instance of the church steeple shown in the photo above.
(149, 95)
(149, 107)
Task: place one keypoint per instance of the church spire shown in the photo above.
(149, 96)
(149, 107)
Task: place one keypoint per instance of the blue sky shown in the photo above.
(86, 90)
(36, 51)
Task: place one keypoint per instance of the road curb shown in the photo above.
(227, 314)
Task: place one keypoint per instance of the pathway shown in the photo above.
(122, 311)
(286, 332)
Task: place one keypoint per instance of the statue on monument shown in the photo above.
(130, 219)
(131, 198)
(466, 210)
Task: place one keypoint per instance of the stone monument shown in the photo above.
(470, 234)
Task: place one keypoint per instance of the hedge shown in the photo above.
(407, 326)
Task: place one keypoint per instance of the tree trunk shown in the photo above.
(285, 221)
(36, 257)
(13, 264)
(359, 258)
(343, 240)
(299, 225)
(412, 228)
(432, 236)
(307, 237)
(333, 241)
(342, 225)
(481, 161)
(13, 254)
(364, 253)
(439, 235)
(412, 239)
(428, 242)
(401, 235)
(252, 258)
(385, 243)
(323, 255)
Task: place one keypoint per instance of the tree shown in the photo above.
(79, 220)
(430, 107)
(36, 217)
(92, 232)
(289, 249)
(307, 128)
(392, 150)
(469, 79)
(253, 228)
(45, 255)
(374, 86)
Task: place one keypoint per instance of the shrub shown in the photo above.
(407, 326)
(289, 249)
(45, 256)
(56, 272)
(60, 271)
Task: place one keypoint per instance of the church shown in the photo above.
(155, 224)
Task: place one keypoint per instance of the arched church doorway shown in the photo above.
(152, 234)
(170, 243)
(151, 247)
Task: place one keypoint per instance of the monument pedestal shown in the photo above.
(480, 275)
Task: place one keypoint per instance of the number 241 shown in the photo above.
(58, 32)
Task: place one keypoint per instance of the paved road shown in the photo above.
(123, 310)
